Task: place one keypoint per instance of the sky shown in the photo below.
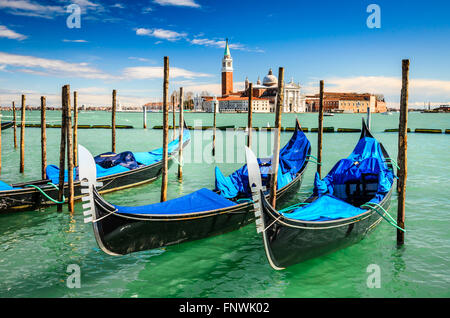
(121, 45)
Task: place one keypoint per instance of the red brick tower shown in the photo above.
(227, 72)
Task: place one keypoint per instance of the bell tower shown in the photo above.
(227, 72)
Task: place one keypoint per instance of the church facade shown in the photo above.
(264, 93)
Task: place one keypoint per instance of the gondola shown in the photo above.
(121, 230)
(114, 171)
(7, 125)
(348, 203)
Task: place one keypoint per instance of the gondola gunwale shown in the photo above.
(179, 216)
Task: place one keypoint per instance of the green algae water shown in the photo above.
(36, 247)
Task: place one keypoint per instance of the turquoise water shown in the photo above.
(36, 247)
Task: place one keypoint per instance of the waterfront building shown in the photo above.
(347, 103)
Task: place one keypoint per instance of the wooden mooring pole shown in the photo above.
(402, 152)
(368, 121)
(75, 129)
(165, 130)
(144, 117)
(62, 147)
(250, 115)
(69, 152)
(113, 121)
(180, 140)
(22, 135)
(14, 124)
(173, 116)
(215, 102)
(276, 142)
(0, 144)
(320, 131)
(43, 138)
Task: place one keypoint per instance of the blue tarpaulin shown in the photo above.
(292, 158)
(365, 166)
(110, 163)
(325, 208)
(198, 201)
(366, 161)
(4, 186)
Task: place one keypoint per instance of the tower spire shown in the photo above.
(227, 49)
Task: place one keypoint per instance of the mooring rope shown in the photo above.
(45, 194)
(375, 206)
(393, 162)
(292, 207)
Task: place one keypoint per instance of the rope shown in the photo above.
(312, 157)
(393, 162)
(376, 205)
(314, 161)
(243, 200)
(45, 194)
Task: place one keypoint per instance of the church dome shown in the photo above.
(270, 79)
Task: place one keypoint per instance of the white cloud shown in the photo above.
(75, 41)
(181, 3)
(10, 34)
(221, 44)
(161, 34)
(141, 59)
(147, 10)
(118, 5)
(43, 66)
(29, 8)
(153, 72)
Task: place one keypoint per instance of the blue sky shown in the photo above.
(121, 45)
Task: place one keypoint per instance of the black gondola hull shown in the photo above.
(289, 242)
(29, 198)
(118, 235)
(7, 125)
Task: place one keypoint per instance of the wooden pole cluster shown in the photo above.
(113, 121)
(180, 140)
(75, 129)
(320, 131)
(250, 115)
(214, 127)
(43, 138)
(276, 147)
(165, 130)
(402, 152)
(14, 124)
(22, 136)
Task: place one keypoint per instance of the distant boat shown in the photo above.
(386, 113)
(328, 114)
(7, 125)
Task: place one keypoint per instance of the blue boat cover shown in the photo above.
(5, 187)
(110, 159)
(325, 208)
(292, 158)
(364, 165)
(110, 163)
(198, 201)
(148, 158)
(52, 172)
